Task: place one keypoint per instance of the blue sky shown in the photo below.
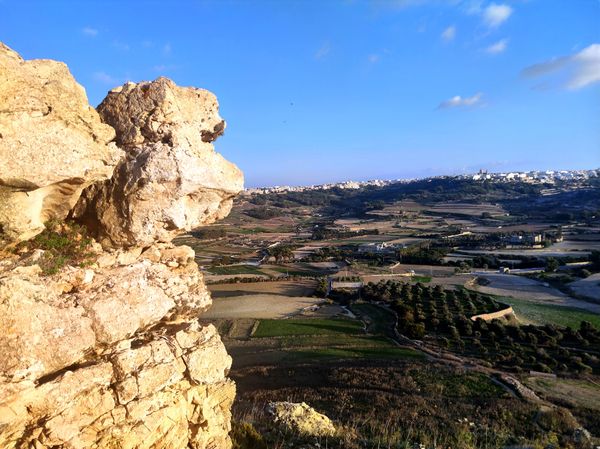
(318, 91)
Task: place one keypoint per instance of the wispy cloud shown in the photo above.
(105, 78)
(580, 69)
(498, 47)
(373, 58)
(458, 101)
(167, 49)
(89, 31)
(449, 34)
(121, 46)
(495, 14)
(323, 50)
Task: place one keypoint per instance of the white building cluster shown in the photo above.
(338, 185)
(546, 177)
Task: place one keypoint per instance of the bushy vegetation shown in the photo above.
(244, 436)
(63, 243)
(263, 213)
(282, 253)
(206, 233)
(444, 316)
(425, 254)
(402, 404)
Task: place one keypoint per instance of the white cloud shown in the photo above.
(105, 78)
(588, 67)
(323, 50)
(167, 49)
(580, 69)
(498, 47)
(449, 33)
(373, 58)
(495, 15)
(473, 6)
(458, 101)
(89, 31)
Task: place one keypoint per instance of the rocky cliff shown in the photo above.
(100, 345)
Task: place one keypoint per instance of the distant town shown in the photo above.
(534, 177)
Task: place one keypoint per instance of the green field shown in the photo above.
(334, 340)
(296, 271)
(236, 269)
(392, 353)
(421, 279)
(256, 230)
(309, 339)
(282, 328)
(544, 314)
(381, 320)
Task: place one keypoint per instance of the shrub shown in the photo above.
(63, 244)
(245, 436)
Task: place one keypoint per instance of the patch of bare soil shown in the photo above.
(287, 288)
(259, 306)
(529, 289)
(589, 287)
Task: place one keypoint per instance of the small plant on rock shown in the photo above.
(63, 243)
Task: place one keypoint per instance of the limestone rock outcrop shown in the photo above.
(110, 359)
(100, 344)
(171, 179)
(43, 112)
(302, 418)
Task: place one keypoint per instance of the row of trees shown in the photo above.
(444, 316)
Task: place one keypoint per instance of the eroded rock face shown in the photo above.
(52, 144)
(108, 353)
(111, 355)
(171, 179)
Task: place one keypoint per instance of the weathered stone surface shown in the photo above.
(52, 144)
(171, 179)
(72, 316)
(301, 418)
(104, 350)
(33, 317)
(162, 409)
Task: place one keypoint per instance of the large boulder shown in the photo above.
(170, 179)
(301, 418)
(52, 144)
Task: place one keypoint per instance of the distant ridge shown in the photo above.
(534, 176)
